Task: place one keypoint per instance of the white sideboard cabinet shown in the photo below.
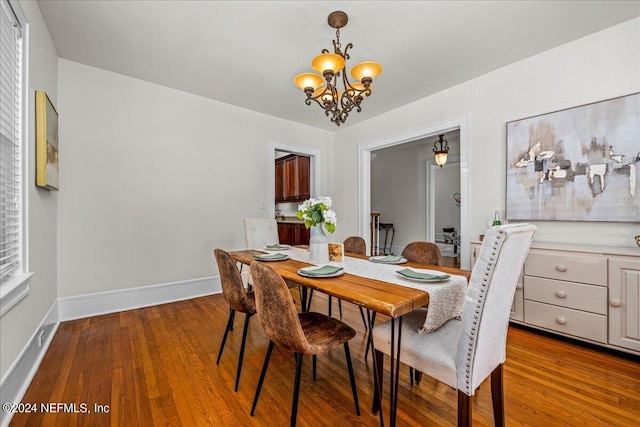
(591, 293)
(624, 302)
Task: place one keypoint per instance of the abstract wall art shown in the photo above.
(578, 164)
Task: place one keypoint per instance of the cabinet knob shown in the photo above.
(561, 294)
(519, 286)
(561, 320)
(615, 303)
(561, 267)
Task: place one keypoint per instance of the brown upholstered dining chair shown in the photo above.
(239, 300)
(356, 245)
(423, 253)
(463, 353)
(301, 333)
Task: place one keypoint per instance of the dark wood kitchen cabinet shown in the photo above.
(293, 234)
(279, 195)
(293, 178)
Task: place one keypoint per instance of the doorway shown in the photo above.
(276, 149)
(364, 158)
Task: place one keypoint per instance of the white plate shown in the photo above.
(378, 258)
(279, 248)
(418, 270)
(303, 272)
(266, 257)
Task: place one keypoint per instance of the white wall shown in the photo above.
(153, 179)
(398, 191)
(600, 66)
(18, 325)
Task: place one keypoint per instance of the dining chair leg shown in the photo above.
(364, 321)
(352, 378)
(303, 298)
(262, 375)
(308, 307)
(411, 376)
(464, 409)
(417, 376)
(226, 332)
(497, 396)
(314, 360)
(373, 321)
(244, 340)
(330, 304)
(340, 307)
(296, 390)
(232, 313)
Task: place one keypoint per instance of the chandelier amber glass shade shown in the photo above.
(306, 80)
(366, 70)
(328, 62)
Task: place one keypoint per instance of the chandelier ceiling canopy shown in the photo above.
(323, 88)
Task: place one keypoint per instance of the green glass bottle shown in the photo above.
(496, 219)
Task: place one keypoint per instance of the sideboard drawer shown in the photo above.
(572, 322)
(566, 294)
(585, 268)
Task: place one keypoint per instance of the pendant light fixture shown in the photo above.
(441, 153)
(323, 88)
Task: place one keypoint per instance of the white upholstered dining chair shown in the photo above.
(259, 232)
(463, 353)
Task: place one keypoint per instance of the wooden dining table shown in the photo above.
(376, 296)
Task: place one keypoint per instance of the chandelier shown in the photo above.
(441, 153)
(323, 89)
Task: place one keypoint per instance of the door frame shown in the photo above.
(364, 168)
(315, 175)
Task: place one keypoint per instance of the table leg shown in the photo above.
(394, 372)
(303, 298)
(392, 388)
(377, 379)
(394, 377)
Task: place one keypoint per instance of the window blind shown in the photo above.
(10, 139)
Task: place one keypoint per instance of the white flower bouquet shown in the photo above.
(317, 211)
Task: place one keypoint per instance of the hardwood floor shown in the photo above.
(156, 366)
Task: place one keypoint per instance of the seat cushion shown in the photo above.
(323, 332)
(433, 354)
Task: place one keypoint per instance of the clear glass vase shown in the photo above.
(318, 245)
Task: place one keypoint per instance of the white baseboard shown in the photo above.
(80, 306)
(19, 375)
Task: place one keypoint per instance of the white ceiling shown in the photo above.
(246, 53)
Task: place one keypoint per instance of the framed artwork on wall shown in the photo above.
(578, 164)
(47, 168)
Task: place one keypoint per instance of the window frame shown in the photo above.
(15, 286)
